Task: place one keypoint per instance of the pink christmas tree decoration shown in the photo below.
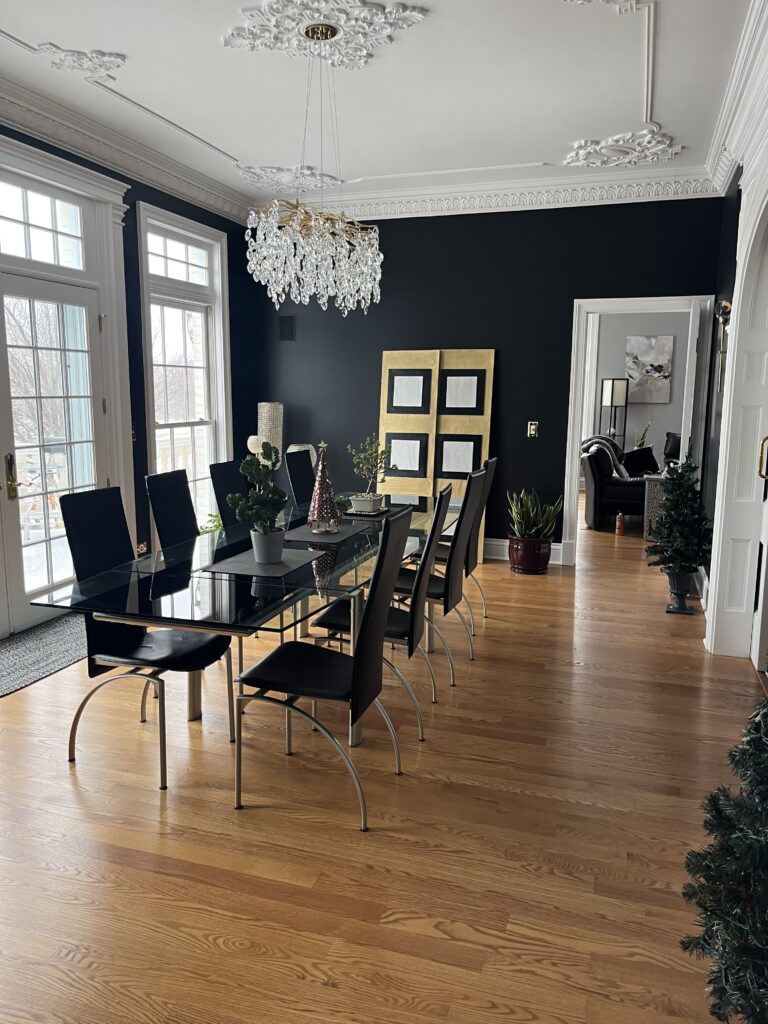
(323, 516)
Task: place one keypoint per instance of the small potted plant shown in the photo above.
(681, 534)
(262, 505)
(343, 505)
(371, 464)
(531, 526)
(642, 436)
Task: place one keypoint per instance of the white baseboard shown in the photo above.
(496, 549)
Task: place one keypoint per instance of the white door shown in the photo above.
(51, 432)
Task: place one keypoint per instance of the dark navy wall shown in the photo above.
(247, 307)
(505, 281)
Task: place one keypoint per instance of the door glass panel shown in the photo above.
(52, 410)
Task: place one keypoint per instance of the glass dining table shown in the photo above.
(213, 584)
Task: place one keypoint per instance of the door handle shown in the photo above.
(11, 482)
(761, 460)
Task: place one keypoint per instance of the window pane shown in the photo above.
(49, 367)
(175, 250)
(156, 323)
(61, 560)
(163, 453)
(161, 408)
(176, 379)
(157, 265)
(11, 201)
(28, 471)
(203, 452)
(198, 275)
(12, 241)
(155, 243)
(18, 322)
(32, 517)
(21, 367)
(198, 256)
(75, 334)
(40, 209)
(77, 373)
(41, 245)
(182, 449)
(197, 395)
(56, 468)
(176, 270)
(70, 252)
(35, 567)
(80, 419)
(54, 424)
(55, 521)
(25, 428)
(47, 324)
(68, 218)
(82, 465)
(195, 326)
(174, 336)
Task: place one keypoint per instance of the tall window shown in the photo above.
(186, 354)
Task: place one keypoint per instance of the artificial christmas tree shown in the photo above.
(681, 534)
(323, 516)
(730, 884)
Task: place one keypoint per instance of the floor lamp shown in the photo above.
(614, 394)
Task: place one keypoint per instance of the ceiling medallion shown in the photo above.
(94, 63)
(650, 145)
(343, 33)
(301, 177)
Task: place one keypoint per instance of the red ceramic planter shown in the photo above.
(529, 555)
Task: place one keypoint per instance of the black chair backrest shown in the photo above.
(367, 671)
(301, 475)
(227, 479)
(672, 447)
(470, 563)
(457, 556)
(172, 507)
(424, 571)
(99, 540)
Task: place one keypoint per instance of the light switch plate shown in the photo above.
(533, 428)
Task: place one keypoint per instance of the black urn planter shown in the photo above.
(679, 588)
(529, 555)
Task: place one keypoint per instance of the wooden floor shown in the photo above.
(526, 867)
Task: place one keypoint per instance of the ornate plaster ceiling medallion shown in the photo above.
(94, 63)
(288, 179)
(344, 33)
(650, 145)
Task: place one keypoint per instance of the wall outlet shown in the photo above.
(533, 428)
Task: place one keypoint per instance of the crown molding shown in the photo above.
(51, 122)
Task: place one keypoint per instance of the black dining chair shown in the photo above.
(447, 591)
(227, 479)
(99, 541)
(298, 669)
(301, 475)
(172, 508)
(404, 627)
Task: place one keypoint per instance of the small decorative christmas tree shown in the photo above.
(323, 516)
(730, 884)
(681, 534)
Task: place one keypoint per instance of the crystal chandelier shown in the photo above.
(298, 250)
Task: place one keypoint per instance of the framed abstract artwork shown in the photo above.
(409, 391)
(408, 454)
(649, 368)
(461, 393)
(456, 455)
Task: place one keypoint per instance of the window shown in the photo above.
(186, 350)
(37, 226)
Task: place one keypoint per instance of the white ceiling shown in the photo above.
(488, 93)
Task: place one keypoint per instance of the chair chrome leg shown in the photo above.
(392, 733)
(465, 624)
(465, 599)
(230, 695)
(409, 690)
(441, 638)
(160, 688)
(288, 731)
(482, 593)
(428, 663)
(144, 692)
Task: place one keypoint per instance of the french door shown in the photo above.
(52, 439)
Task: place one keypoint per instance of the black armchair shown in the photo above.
(606, 494)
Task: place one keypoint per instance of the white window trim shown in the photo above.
(215, 294)
(103, 210)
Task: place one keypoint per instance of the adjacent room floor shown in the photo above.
(527, 865)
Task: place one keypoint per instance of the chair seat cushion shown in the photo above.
(407, 577)
(171, 650)
(305, 670)
(336, 619)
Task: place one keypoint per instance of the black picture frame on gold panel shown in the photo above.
(461, 393)
(403, 394)
(408, 452)
(457, 455)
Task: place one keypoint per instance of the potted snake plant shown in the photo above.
(262, 505)
(531, 526)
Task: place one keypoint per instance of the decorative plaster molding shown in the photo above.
(649, 145)
(288, 179)
(361, 28)
(620, 6)
(92, 63)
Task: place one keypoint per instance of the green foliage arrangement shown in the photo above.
(264, 502)
(681, 534)
(642, 435)
(730, 884)
(212, 523)
(343, 505)
(528, 517)
(371, 462)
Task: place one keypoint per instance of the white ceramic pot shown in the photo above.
(268, 547)
(367, 502)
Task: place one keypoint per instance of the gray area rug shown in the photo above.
(36, 653)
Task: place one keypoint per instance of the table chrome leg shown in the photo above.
(303, 613)
(356, 614)
(194, 696)
(240, 662)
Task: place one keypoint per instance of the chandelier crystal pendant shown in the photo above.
(298, 250)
